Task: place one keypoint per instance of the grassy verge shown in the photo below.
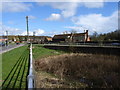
(15, 67)
(0, 69)
(40, 52)
(10, 58)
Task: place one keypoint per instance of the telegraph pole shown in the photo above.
(33, 33)
(7, 38)
(27, 29)
(34, 36)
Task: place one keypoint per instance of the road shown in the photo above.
(9, 47)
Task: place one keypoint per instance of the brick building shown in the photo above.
(73, 37)
(34, 39)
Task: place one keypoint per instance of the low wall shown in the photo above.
(87, 49)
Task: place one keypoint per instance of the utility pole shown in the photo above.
(27, 29)
(84, 37)
(34, 36)
(33, 33)
(7, 38)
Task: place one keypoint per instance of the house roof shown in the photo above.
(49, 38)
(63, 36)
(3, 40)
(24, 36)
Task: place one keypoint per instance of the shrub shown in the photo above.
(94, 70)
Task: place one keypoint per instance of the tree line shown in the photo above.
(112, 36)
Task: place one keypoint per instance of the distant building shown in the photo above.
(73, 37)
(40, 39)
(34, 39)
(3, 39)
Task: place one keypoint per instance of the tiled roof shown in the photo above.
(63, 36)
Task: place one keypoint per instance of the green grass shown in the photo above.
(0, 69)
(9, 59)
(40, 52)
(21, 55)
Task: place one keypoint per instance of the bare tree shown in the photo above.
(72, 34)
(73, 31)
(65, 32)
(95, 34)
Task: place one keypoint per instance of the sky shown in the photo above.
(50, 18)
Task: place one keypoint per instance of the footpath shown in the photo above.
(8, 48)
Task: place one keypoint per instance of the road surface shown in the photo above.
(9, 47)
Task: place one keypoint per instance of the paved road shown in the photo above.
(8, 48)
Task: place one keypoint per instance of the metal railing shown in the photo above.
(31, 80)
(86, 44)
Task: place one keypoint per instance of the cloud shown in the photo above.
(17, 31)
(69, 9)
(10, 22)
(37, 32)
(15, 7)
(53, 17)
(98, 22)
(93, 4)
(11, 31)
(31, 17)
(61, 0)
(25, 33)
(76, 28)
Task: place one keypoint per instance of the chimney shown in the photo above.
(86, 35)
(86, 31)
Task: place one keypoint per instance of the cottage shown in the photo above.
(73, 37)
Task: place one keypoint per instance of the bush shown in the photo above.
(94, 70)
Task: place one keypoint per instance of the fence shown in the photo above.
(18, 76)
(109, 50)
(92, 43)
(31, 81)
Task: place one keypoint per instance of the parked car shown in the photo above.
(116, 44)
(17, 42)
(2, 44)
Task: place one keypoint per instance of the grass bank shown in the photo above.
(48, 79)
(78, 71)
(15, 67)
(10, 58)
(40, 52)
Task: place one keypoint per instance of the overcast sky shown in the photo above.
(49, 18)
